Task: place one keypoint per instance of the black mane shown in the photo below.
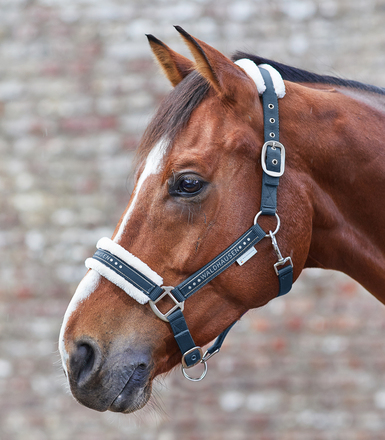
(175, 111)
(302, 76)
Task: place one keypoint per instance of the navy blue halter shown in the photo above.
(273, 164)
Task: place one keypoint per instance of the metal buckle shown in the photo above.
(158, 313)
(273, 144)
(190, 351)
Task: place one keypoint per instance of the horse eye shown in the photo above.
(187, 186)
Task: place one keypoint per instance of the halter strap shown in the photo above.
(272, 151)
(273, 165)
(221, 262)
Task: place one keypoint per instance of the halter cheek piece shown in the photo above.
(126, 271)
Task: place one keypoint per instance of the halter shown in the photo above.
(131, 274)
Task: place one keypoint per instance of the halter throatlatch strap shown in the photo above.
(139, 281)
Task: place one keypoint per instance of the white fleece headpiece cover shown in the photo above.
(253, 71)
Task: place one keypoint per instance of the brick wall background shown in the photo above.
(77, 86)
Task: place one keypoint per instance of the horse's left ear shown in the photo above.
(174, 65)
(219, 70)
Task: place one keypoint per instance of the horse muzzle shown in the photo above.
(119, 381)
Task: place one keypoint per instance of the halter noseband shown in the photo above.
(139, 281)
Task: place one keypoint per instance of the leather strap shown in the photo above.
(285, 277)
(184, 339)
(130, 274)
(219, 263)
(196, 280)
(273, 156)
(220, 339)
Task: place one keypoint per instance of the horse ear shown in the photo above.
(214, 66)
(174, 66)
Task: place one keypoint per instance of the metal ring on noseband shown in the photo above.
(201, 360)
(196, 379)
(278, 223)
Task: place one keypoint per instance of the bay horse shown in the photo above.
(206, 186)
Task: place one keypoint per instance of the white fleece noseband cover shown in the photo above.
(115, 249)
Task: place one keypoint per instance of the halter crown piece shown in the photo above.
(144, 285)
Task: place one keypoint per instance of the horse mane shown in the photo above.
(294, 74)
(177, 107)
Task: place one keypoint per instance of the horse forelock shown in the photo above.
(173, 113)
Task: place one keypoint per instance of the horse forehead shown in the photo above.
(153, 165)
(209, 127)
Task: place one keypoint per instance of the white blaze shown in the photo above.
(88, 284)
(152, 166)
(91, 281)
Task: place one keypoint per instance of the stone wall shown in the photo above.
(77, 87)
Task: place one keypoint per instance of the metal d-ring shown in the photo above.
(201, 360)
(196, 379)
(278, 223)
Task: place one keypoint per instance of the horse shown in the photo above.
(203, 169)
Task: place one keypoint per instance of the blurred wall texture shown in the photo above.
(77, 88)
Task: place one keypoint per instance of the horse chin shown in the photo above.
(131, 398)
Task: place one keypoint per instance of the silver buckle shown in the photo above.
(273, 144)
(167, 292)
(200, 359)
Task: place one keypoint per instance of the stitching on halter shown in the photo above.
(116, 279)
(115, 248)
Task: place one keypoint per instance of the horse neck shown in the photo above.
(340, 144)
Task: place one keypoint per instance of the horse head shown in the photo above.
(197, 190)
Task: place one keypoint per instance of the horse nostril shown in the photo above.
(82, 362)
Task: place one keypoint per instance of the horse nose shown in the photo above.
(116, 379)
(84, 360)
